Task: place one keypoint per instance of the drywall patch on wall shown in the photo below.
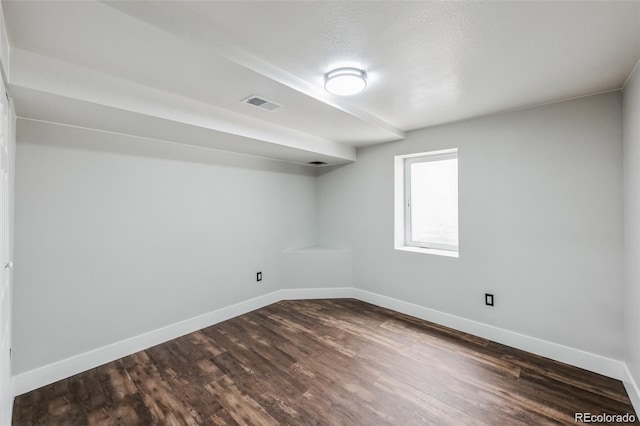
(317, 267)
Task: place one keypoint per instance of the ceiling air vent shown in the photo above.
(317, 163)
(261, 103)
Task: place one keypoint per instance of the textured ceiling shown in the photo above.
(428, 62)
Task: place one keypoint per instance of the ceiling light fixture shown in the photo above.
(345, 81)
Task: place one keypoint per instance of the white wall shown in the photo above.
(117, 235)
(540, 196)
(7, 202)
(631, 149)
(6, 286)
(317, 267)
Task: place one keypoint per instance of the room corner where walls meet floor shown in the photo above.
(34, 379)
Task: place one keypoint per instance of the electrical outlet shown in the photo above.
(259, 276)
(488, 299)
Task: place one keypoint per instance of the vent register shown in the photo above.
(261, 103)
(272, 106)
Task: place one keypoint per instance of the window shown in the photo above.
(427, 201)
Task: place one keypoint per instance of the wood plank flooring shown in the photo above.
(325, 362)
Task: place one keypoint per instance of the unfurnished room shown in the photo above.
(319, 212)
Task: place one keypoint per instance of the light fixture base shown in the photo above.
(345, 81)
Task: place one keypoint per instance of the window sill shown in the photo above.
(437, 252)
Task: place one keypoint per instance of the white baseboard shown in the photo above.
(59, 370)
(592, 362)
(51, 373)
(632, 390)
(33, 379)
(316, 293)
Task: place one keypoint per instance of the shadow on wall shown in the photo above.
(327, 169)
(101, 141)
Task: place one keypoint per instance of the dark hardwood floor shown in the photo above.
(325, 362)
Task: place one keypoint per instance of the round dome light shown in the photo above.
(345, 81)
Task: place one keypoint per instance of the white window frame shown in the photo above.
(403, 239)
